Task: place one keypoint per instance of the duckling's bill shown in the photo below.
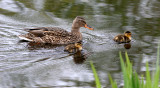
(87, 26)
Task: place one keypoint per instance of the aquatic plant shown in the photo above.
(98, 84)
(130, 77)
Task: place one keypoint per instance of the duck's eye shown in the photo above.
(82, 21)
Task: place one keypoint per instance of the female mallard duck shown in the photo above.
(55, 35)
(73, 48)
(125, 38)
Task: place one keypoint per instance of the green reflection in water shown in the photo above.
(6, 12)
(67, 9)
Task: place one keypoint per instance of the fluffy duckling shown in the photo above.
(125, 38)
(73, 48)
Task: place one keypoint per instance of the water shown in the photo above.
(22, 66)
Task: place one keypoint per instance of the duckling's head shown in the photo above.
(128, 34)
(79, 46)
(80, 22)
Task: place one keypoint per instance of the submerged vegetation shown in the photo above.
(130, 76)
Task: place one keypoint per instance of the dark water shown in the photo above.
(22, 66)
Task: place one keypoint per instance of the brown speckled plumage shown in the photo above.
(56, 35)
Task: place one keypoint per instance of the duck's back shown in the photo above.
(119, 38)
(52, 35)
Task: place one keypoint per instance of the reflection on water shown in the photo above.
(79, 57)
(31, 65)
(127, 45)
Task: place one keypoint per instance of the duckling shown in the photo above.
(56, 35)
(73, 48)
(125, 38)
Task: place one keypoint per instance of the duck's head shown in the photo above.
(128, 34)
(79, 46)
(80, 22)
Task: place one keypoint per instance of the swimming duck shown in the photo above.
(125, 38)
(56, 35)
(73, 48)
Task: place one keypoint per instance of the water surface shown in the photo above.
(45, 67)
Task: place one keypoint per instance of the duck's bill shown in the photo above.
(90, 28)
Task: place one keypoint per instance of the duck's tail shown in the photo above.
(23, 37)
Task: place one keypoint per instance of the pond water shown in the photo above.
(22, 66)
